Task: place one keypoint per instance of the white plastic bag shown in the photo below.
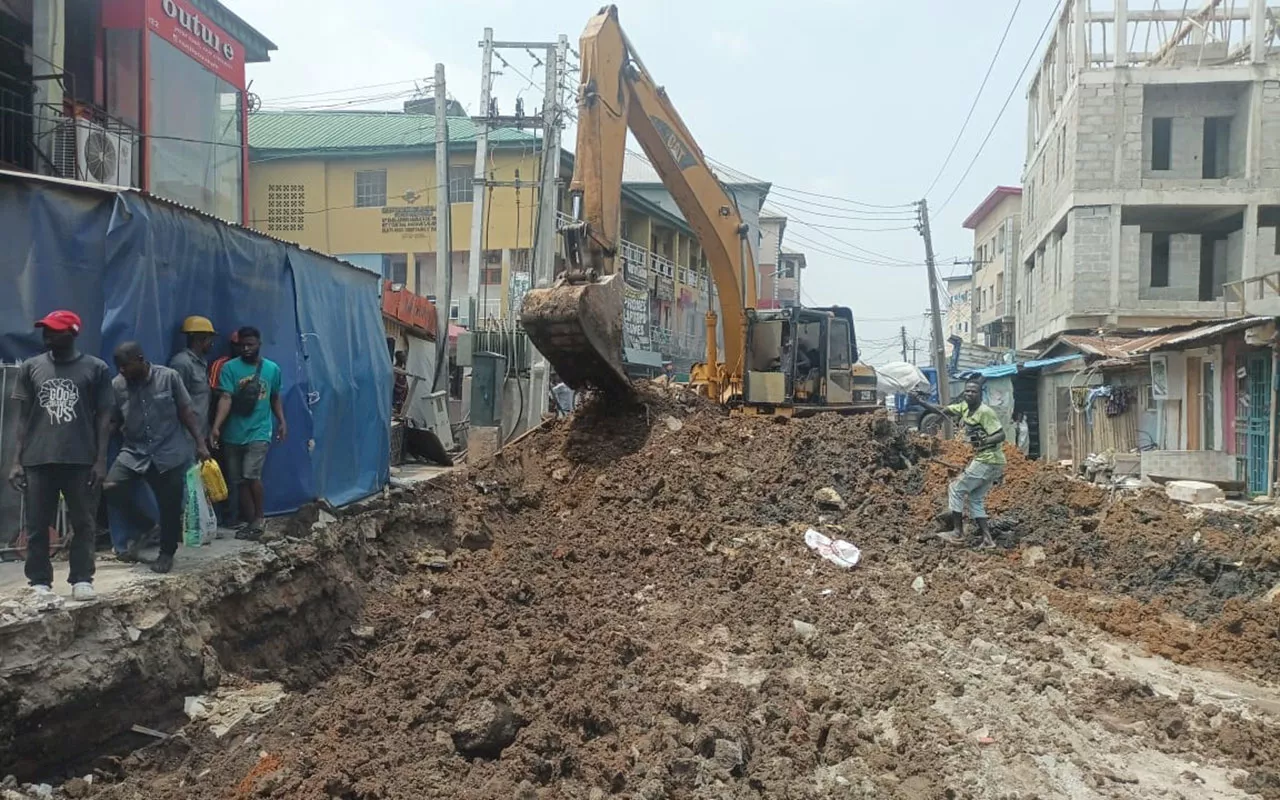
(899, 377)
(200, 523)
(837, 551)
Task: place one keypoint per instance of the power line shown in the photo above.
(870, 256)
(772, 185)
(1012, 91)
(904, 217)
(872, 213)
(345, 91)
(965, 125)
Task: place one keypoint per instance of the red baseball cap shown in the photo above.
(60, 321)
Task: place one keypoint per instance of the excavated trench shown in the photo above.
(75, 682)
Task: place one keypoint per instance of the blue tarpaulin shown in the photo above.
(134, 267)
(1005, 370)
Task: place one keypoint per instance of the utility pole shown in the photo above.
(444, 231)
(904, 342)
(939, 344)
(914, 342)
(478, 183)
(544, 255)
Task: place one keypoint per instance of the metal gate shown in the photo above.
(1253, 424)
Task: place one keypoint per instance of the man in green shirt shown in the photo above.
(248, 402)
(983, 430)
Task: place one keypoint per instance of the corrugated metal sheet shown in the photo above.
(1153, 339)
(363, 130)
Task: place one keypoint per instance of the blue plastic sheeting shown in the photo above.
(134, 268)
(994, 371)
(345, 355)
(1048, 362)
(1005, 370)
(164, 264)
(52, 259)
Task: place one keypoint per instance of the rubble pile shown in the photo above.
(625, 606)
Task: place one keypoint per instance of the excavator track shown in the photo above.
(578, 327)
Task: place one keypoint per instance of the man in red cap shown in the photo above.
(65, 405)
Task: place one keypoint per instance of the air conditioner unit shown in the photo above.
(104, 154)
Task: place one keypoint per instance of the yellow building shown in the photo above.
(360, 185)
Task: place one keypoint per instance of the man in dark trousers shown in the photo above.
(248, 401)
(64, 420)
(984, 432)
(155, 416)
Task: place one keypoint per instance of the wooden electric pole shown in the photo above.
(904, 342)
(939, 344)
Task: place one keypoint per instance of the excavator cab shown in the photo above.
(804, 360)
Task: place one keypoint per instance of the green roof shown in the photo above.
(282, 133)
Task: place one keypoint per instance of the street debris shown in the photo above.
(837, 551)
(642, 629)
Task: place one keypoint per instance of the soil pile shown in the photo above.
(625, 606)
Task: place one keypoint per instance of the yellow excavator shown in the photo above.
(776, 361)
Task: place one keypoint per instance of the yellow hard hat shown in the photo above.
(197, 325)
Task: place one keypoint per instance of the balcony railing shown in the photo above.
(1258, 295)
(663, 265)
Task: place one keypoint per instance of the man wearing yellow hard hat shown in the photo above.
(193, 365)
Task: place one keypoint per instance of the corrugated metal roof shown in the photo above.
(1114, 346)
(100, 188)
(345, 131)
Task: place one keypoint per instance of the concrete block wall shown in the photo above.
(1090, 228)
(1188, 105)
(1050, 177)
(1184, 271)
(1269, 151)
(1268, 260)
(1131, 109)
(1098, 136)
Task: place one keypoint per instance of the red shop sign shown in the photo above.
(190, 32)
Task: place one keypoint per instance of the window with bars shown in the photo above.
(461, 184)
(371, 188)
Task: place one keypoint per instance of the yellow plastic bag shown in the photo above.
(215, 486)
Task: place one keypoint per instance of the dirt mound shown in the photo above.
(624, 606)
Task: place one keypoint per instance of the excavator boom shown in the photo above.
(577, 323)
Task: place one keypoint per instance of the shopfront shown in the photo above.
(177, 76)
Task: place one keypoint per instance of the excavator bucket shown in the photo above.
(578, 327)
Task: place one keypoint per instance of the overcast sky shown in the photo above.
(859, 99)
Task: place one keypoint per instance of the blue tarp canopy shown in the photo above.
(1005, 370)
(134, 267)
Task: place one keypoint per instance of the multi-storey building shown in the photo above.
(995, 223)
(959, 321)
(355, 184)
(790, 276)
(142, 93)
(1153, 165)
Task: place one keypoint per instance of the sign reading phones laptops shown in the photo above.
(188, 30)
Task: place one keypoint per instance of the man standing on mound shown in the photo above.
(983, 430)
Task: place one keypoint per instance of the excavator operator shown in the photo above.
(986, 435)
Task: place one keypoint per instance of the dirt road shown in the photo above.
(625, 607)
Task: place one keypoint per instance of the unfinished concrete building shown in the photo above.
(1153, 165)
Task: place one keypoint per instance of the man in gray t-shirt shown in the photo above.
(64, 416)
(192, 365)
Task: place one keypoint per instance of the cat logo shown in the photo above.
(680, 152)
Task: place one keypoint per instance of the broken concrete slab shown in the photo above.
(1193, 492)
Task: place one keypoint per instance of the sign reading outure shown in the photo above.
(186, 29)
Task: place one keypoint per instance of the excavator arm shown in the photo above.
(577, 323)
